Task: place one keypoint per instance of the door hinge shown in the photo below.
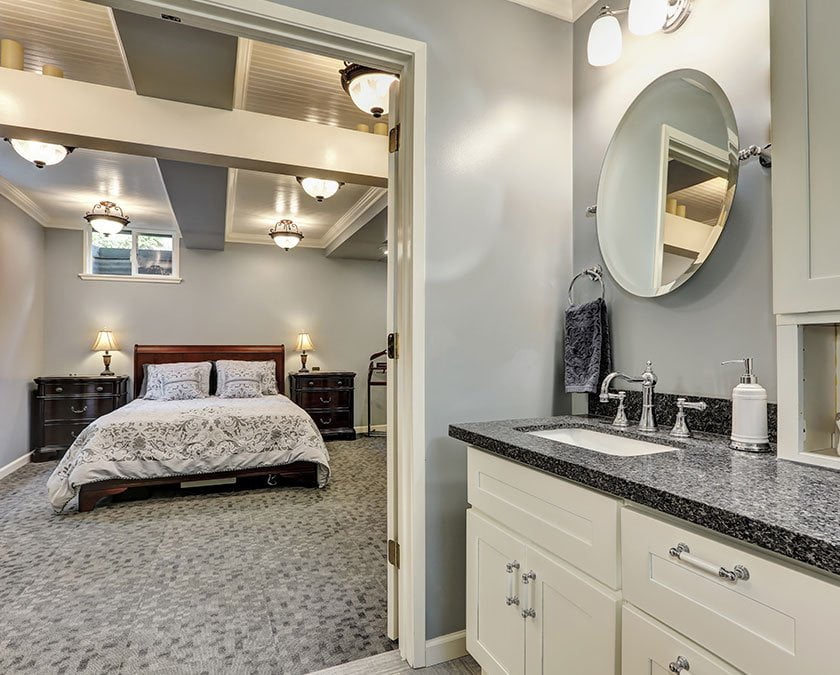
(393, 346)
(394, 138)
(393, 553)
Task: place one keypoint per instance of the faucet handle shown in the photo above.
(681, 429)
(620, 420)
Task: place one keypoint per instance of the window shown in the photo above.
(131, 255)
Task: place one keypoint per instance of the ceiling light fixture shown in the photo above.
(319, 188)
(286, 234)
(644, 17)
(40, 154)
(369, 88)
(107, 218)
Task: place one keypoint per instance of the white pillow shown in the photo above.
(161, 376)
(267, 371)
(240, 379)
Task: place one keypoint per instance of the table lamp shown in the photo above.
(304, 344)
(105, 342)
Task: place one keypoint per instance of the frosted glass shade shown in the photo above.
(319, 188)
(371, 92)
(304, 343)
(604, 45)
(106, 224)
(646, 16)
(40, 154)
(105, 341)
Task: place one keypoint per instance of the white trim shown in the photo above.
(244, 48)
(142, 278)
(357, 216)
(22, 200)
(87, 260)
(446, 648)
(15, 464)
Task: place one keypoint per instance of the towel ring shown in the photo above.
(595, 273)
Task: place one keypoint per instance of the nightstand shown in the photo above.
(328, 398)
(66, 405)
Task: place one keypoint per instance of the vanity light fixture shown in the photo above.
(40, 154)
(369, 88)
(644, 17)
(319, 188)
(107, 218)
(286, 234)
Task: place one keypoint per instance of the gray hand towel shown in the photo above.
(587, 352)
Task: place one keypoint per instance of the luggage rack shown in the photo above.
(376, 369)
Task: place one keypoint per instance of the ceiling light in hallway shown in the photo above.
(319, 188)
(40, 154)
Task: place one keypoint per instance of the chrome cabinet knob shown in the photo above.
(679, 665)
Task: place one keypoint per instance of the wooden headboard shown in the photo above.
(146, 354)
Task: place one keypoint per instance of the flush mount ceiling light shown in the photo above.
(107, 218)
(319, 188)
(40, 154)
(644, 17)
(369, 88)
(286, 234)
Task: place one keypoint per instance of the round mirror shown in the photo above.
(667, 183)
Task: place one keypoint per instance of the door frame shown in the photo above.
(269, 22)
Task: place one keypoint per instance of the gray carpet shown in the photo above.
(282, 580)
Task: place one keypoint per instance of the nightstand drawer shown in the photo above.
(324, 382)
(311, 400)
(77, 388)
(76, 408)
(332, 419)
(62, 435)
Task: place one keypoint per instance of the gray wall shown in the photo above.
(498, 236)
(247, 294)
(725, 310)
(21, 325)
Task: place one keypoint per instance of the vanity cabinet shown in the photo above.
(682, 594)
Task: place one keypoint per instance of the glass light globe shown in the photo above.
(40, 154)
(604, 45)
(371, 92)
(319, 188)
(106, 224)
(286, 241)
(647, 16)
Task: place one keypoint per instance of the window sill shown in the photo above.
(141, 278)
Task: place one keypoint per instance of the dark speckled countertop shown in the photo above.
(789, 508)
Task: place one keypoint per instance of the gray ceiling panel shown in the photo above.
(198, 194)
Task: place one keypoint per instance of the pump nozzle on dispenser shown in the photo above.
(749, 411)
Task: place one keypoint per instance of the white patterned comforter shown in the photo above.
(152, 439)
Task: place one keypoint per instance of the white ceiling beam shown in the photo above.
(117, 120)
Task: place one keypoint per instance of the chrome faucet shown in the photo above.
(647, 423)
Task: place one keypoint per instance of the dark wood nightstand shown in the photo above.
(328, 398)
(66, 405)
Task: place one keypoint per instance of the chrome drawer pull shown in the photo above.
(512, 598)
(679, 665)
(683, 553)
(529, 611)
(323, 400)
(78, 412)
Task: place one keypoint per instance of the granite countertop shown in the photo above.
(789, 508)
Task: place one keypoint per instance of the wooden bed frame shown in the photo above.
(296, 473)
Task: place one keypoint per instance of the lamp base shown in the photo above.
(303, 368)
(106, 358)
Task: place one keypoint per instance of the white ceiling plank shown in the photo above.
(59, 110)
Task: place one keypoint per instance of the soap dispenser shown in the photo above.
(749, 412)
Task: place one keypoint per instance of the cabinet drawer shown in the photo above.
(649, 647)
(571, 522)
(77, 388)
(76, 408)
(328, 382)
(332, 419)
(780, 620)
(313, 400)
(62, 435)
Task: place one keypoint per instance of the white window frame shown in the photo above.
(174, 278)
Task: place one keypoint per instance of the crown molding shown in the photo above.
(568, 10)
(20, 199)
(358, 215)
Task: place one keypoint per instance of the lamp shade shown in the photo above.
(646, 16)
(105, 341)
(369, 88)
(319, 188)
(40, 154)
(304, 343)
(605, 42)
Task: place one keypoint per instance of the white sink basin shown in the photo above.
(609, 444)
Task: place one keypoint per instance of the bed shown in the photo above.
(148, 443)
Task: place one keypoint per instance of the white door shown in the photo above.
(495, 628)
(573, 626)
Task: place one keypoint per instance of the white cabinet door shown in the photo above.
(573, 629)
(495, 629)
(805, 107)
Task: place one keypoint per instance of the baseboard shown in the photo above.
(381, 428)
(14, 465)
(446, 648)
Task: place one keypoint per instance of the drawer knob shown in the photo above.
(683, 553)
(340, 382)
(58, 390)
(100, 388)
(79, 412)
(679, 665)
(311, 383)
(325, 400)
